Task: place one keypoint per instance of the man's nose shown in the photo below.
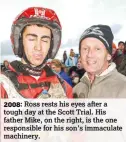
(90, 53)
(38, 45)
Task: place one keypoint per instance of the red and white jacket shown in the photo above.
(28, 86)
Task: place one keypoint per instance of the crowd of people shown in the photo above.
(99, 71)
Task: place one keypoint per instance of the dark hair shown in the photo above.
(73, 68)
(121, 42)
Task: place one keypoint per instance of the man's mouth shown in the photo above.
(37, 56)
(91, 62)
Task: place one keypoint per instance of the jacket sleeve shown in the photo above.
(3, 92)
(69, 81)
(69, 90)
(67, 62)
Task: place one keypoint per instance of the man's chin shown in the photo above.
(91, 71)
(36, 64)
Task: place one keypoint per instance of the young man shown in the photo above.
(121, 46)
(101, 79)
(36, 36)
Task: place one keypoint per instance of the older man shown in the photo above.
(101, 79)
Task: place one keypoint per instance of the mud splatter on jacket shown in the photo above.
(21, 85)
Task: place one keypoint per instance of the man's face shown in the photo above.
(79, 64)
(94, 56)
(121, 46)
(6, 63)
(36, 42)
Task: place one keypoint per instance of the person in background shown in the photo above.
(5, 65)
(125, 49)
(76, 72)
(122, 67)
(121, 46)
(76, 56)
(80, 69)
(35, 36)
(71, 50)
(58, 68)
(71, 61)
(118, 57)
(114, 48)
(64, 57)
(101, 80)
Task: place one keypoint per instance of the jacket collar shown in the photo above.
(100, 77)
(48, 71)
(17, 67)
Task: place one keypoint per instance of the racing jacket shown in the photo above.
(21, 85)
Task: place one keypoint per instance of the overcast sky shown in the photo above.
(75, 16)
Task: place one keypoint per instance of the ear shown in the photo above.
(109, 57)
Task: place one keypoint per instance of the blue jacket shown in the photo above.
(70, 62)
(66, 77)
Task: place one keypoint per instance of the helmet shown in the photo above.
(36, 15)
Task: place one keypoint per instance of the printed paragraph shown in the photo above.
(30, 119)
